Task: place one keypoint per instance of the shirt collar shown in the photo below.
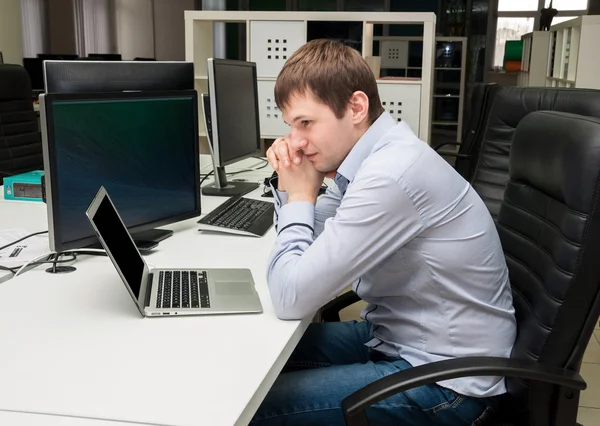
(363, 147)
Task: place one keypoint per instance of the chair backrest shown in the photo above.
(549, 225)
(480, 99)
(20, 140)
(509, 107)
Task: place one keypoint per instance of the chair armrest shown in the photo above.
(444, 144)
(331, 311)
(453, 154)
(354, 405)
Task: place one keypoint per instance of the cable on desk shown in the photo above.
(52, 258)
(262, 166)
(24, 238)
(11, 270)
(206, 176)
(36, 262)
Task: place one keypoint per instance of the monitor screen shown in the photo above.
(99, 76)
(143, 148)
(233, 88)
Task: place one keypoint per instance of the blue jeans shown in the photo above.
(331, 362)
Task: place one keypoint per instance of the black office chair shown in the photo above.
(20, 140)
(549, 225)
(510, 106)
(480, 98)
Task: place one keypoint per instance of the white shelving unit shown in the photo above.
(271, 37)
(394, 52)
(565, 56)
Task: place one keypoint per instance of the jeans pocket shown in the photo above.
(463, 410)
(453, 400)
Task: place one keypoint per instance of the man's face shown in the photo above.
(328, 138)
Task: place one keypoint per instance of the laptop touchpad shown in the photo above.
(233, 288)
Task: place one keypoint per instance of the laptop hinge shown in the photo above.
(149, 290)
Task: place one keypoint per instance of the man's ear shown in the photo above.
(359, 106)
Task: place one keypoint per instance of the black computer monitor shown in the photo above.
(141, 146)
(118, 76)
(231, 113)
(57, 56)
(34, 67)
(106, 56)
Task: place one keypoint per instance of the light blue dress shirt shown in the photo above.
(415, 241)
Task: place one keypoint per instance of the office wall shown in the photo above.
(61, 26)
(169, 32)
(135, 28)
(151, 28)
(11, 37)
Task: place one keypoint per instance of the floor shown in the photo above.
(589, 402)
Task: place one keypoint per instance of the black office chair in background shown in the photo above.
(510, 106)
(20, 139)
(480, 98)
(549, 226)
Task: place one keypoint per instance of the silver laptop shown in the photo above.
(167, 292)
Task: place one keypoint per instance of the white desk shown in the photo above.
(30, 419)
(75, 344)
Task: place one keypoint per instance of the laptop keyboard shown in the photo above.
(182, 289)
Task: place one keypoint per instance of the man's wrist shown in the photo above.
(302, 197)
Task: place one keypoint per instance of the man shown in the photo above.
(403, 228)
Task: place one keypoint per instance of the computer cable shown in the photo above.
(21, 239)
(6, 268)
(36, 262)
(205, 177)
(262, 166)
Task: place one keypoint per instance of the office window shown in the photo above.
(34, 20)
(559, 19)
(518, 5)
(509, 29)
(561, 5)
(518, 17)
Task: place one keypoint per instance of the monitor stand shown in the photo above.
(144, 240)
(222, 188)
(151, 235)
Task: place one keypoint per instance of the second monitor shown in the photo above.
(231, 121)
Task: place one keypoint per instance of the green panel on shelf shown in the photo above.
(513, 50)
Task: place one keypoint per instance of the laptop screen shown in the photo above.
(116, 238)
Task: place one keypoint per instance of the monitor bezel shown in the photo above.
(49, 154)
(216, 146)
(129, 86)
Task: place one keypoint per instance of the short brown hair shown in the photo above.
(332, 71)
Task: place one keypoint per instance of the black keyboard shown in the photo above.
(240, 215)
(182, 289)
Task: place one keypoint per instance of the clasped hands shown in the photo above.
(297, 175)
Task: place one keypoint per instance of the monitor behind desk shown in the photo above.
(230, 112)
